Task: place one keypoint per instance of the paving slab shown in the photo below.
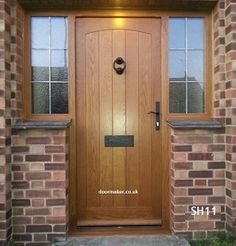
(123, 241)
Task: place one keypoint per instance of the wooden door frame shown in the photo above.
(134, 93)
(165, 141)
(72, 15)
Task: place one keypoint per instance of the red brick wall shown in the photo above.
(16, 86)
(230, 97)
(10, 103)
(219, 102)
(197, 179)
(39, 185)
(5, 123)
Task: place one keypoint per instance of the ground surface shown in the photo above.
(123, 241)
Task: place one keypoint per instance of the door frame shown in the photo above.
(152, 210)
(164, 107)
(72, 175)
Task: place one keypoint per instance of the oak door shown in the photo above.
(111, 104)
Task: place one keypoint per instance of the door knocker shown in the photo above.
(122, 65)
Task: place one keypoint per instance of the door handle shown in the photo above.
(158, 115)
(151, 112)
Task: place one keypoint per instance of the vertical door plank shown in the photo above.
(81, 115)
(157, 154)
(132, 115)
(145, 120)
(119, 124)
(105, 80)
(92, 106)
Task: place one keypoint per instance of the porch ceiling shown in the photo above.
(124, 4)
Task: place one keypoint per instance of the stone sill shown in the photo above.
(24, 125)
(190, 124)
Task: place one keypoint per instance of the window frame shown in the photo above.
(27, 86)
(208, 70)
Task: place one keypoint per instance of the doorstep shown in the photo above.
(121, 240)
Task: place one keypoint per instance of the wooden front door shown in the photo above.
(111, 104)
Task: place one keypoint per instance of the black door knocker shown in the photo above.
(122, 65)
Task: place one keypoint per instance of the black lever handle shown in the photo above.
(158, 115)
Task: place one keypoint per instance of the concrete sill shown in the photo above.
(24, 125)
(190, 124)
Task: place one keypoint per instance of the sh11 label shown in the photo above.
(200, 210)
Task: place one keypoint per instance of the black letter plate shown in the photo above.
(119, 141)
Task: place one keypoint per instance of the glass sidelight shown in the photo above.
(186, 65)
(49, 59)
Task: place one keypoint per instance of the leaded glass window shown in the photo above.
(49, 59)
(186, 65)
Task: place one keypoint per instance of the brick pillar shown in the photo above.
(230, 49)
(40, 185)
(219, 61)
(5, 124)
(197, 179)
(17, 44)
